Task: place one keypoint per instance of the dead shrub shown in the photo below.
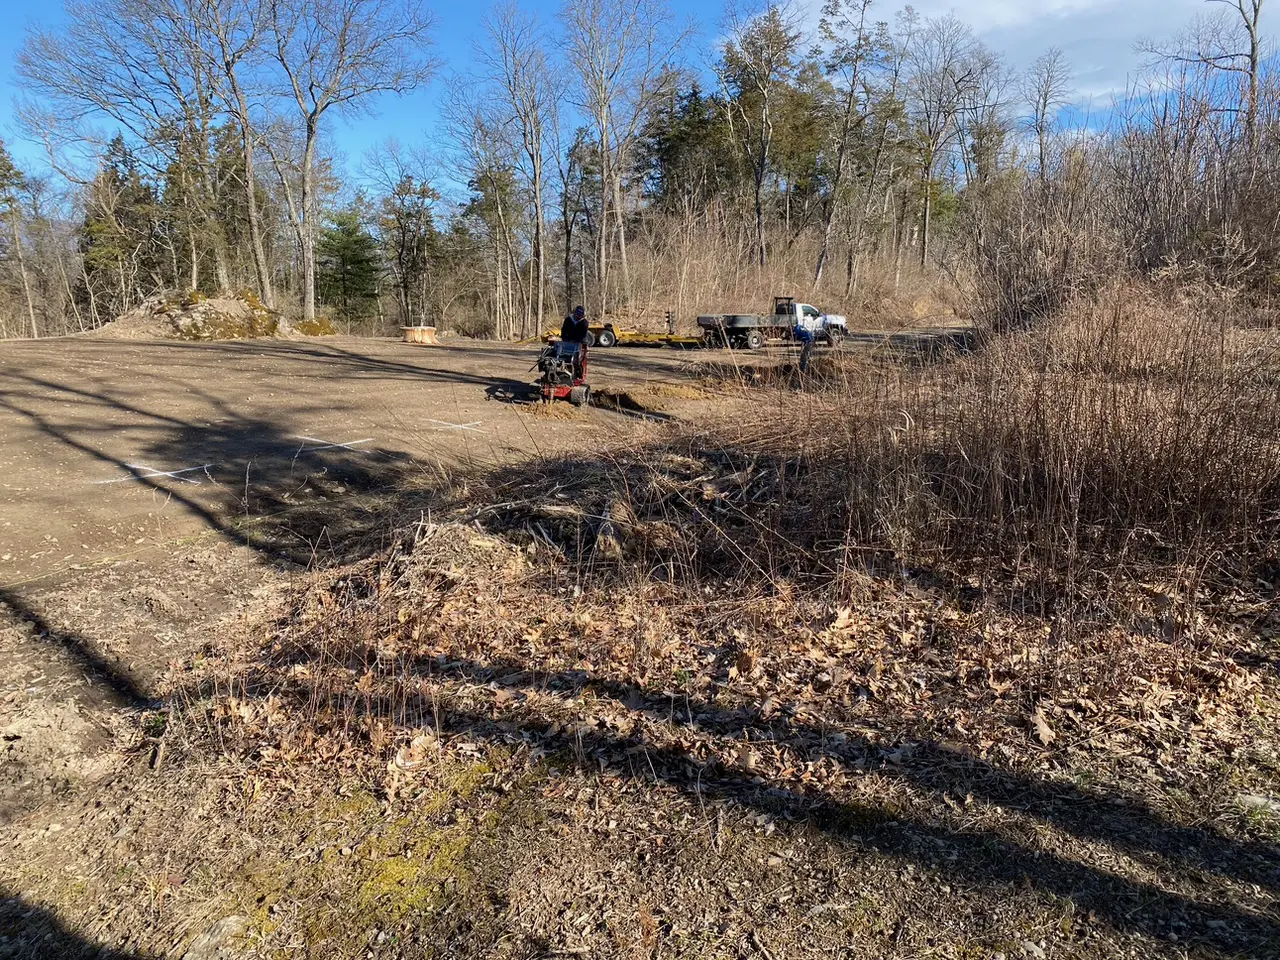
(1121, 428)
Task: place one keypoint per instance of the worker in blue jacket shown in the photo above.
(805, 336)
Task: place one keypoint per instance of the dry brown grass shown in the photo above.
(1125, 430)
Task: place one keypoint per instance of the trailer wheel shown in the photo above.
(607, 338)
(754, 340)
(589, 340)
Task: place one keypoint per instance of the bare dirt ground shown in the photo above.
(152, 491)
(93, 429)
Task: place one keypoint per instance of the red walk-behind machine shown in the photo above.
(563, 366)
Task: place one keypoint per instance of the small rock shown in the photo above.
(1032, 950)
(215, 943)
(1253, 801)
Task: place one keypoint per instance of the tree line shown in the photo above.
(593, 158)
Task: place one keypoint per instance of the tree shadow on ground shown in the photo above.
(296, 502)
(1207, 919)
(261, 486)
(32, 933)
(120, 689)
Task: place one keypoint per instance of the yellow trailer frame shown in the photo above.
(633, 338)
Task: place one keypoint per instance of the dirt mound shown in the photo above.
(144, 322)
(195, 317)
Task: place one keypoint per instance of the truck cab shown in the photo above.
(808, 317)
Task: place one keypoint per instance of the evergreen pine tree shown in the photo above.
(347, 267)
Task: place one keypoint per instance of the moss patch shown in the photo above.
(319, 327)
(360, 871)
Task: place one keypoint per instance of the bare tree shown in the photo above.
(984, 115)
(139, 63)
(942, 68)
(1229, 41)
(235, 29)
(476, 129)
(1046, 88)
(337, 54)
(405, 223)
(1245, 58)
(759, 61)
(618, 49)
(530, 88)
(854, 44)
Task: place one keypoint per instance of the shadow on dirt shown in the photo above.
(298, 499)
(298, 502)
(34, 933)
(625, 403)
(121, 689)
(516, 392)
(1008, 858)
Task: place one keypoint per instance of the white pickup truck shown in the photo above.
(751, 330)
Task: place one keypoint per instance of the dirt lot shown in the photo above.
(92, 427)
(151, 493)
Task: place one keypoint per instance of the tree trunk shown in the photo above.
(837, 178)
(539, 243)
(620, 216)
(1251, 108)
(307, 233)
(602, 227)
(251, 204)
(925, 221)
(568, 262)
(759, 206)
(66, 282)
(220, 267)
(22, 270)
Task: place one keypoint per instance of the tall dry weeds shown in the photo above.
(1126, 429)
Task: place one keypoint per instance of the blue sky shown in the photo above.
(1098, 37)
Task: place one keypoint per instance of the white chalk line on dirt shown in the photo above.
(472, 426)
(326, 445)
(152, 472)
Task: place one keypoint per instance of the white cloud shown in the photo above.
(1097, 36)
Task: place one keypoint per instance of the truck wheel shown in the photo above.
(580, 395)
(755, 340)
(589, 340)
(607, 338)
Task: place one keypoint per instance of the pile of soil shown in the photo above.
(195, 317)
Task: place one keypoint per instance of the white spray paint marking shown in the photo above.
(152, 472)
(326, 445)
(456, 426)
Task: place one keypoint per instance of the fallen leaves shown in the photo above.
(1044, 732)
